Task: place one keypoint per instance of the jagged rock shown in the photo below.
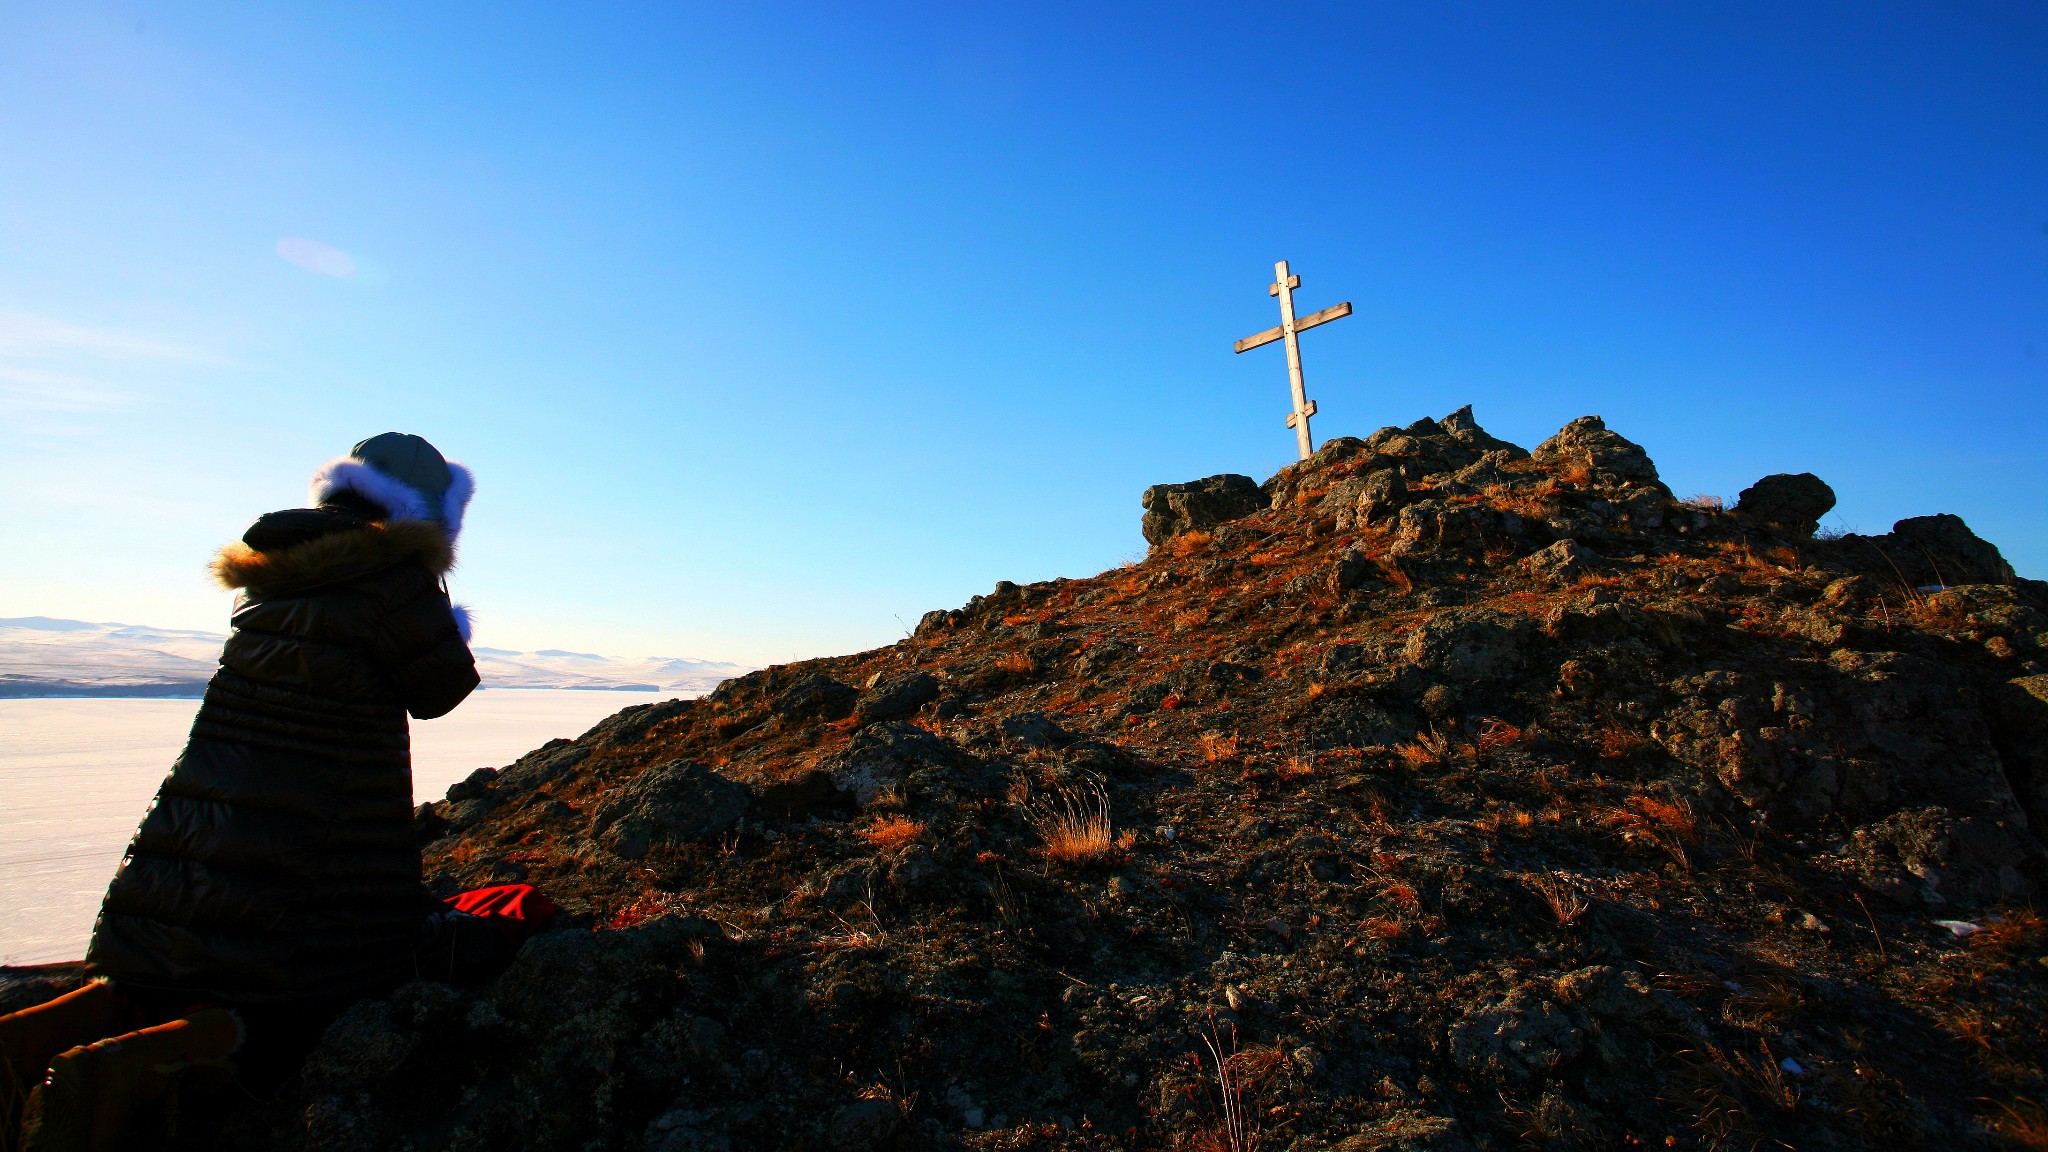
(474, 786)
(1354, 568)
(1561, 563)
(1606, 454)
(1034, 730)
(674, 802)
(630, 725)
(1171, 509)
(876, 764)
(544, 765)
(1792, 501)
(1523, 1036)
(894, 697)
(816, 697)
(1465, 646)
(1943, 548)
(1462, 427)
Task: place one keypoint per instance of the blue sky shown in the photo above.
(767, 327)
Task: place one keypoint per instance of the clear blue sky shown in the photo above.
(767, 327)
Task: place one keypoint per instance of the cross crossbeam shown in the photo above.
(1283, 286)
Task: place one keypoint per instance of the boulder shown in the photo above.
(670, 803)
(816, 697)
(1792, 501)
(1465, 646)
(1945, 546)
(1609, 455)
(1171, 509)
(1560, 563)
(894, 697)
(876, 764)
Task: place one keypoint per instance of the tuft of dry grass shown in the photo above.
(1296, 768)
(1667, 825)
(1016, 664)
(1703, 502)
(2020, 930)
(1074, 823)
(1216, 746)
(1189, 543)
(2024, 1123)
(1496, 736)
(1562, 897)
(892, 832)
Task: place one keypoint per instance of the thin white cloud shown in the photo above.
(23, 336)
(40, 390)
(313, 256)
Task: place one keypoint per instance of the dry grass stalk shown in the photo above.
(1189, 543)
(1496, 736)
(892, 832)
(2023, 1122)
(1074, 823)
(1561, 896)
(1296, 768)
(1017, 664)
(1216, 746)
(1703, 502)
(1235, 1130)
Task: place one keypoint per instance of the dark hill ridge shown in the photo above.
(1462, 797)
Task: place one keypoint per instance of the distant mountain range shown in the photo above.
(41, 656)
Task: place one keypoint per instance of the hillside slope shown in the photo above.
(1456, 797)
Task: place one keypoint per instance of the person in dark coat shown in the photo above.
(277, 873)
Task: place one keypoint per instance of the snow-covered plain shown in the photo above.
(41, 656)
(77, 774)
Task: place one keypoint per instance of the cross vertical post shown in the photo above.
(1283, 286)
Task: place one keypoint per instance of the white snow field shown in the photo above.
(76, 775)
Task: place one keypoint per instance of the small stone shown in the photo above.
(863, 1124)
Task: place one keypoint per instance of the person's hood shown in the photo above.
(399, 500)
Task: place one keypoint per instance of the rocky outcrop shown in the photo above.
(1171, 509)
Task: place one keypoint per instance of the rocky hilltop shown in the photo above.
(1434, 794)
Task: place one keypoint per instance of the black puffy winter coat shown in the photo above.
(279, 863)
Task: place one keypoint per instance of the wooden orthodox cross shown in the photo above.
(1283, 286)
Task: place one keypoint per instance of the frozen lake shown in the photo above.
(76, 775)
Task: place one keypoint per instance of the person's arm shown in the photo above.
(427, 651)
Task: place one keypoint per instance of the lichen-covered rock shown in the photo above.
(894, 697)
(1468, 645)
(880, 759)
(1522, 1036)
(1607, 455)
(1171, 509)
(671, 803)
(815, 698)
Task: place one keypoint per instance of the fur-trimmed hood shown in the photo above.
(400, 501)
(335, 556)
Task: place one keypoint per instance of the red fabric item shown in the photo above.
(517, 911)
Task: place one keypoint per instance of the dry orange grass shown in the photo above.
(892, 832)
(2020, 930)
(1496, 736)
(1667, 825)
(1564, 900)
(1074, 824)
(1189, 543)
(1216, 746)
(1703, 502)
(1017, 664)
(1296, 768)
(2023, 1122)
